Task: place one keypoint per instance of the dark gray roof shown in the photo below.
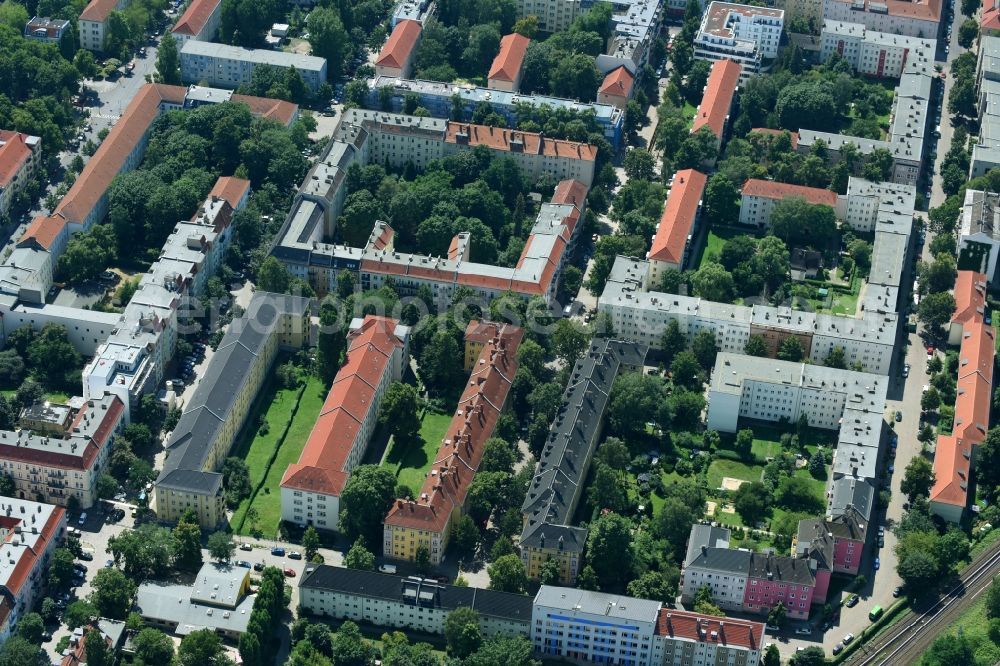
(705, 535)
(550, 535)
(781, 568)
(196, 432)
(851, 492)
(562, 468)
(427, 593)
(721, 559)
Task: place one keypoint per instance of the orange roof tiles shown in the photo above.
(109, 159)
(531, 143)
(951, 471)
(445, 488)
(14, 154)
(990, 17)
(975, 382)
(770, 189)
(570, 191)
(718, 99)
(696, 627)
(44, 231)
(98, 10)
(193, 20)
(230, 189)
(321, 466)
(777, 132)
(507, 65)
(618, 82)
(400, 44)
(679, 213)
(970, 297)
(271, 109)
(481, 331)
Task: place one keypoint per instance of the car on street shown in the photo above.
(278, 551)
(86, 557)
(876, 564)
(838, 648)
(295, 555)
(803, 631)
(259, 566)
(80, 567)
(848, 638)
(897, 591)
(906, 371)
(109, 564)
(289, 572)
(245, 546)
(891, 468)
(853, 601)
(83, 518)
(881, 542)
(244, 564)
(387, 568)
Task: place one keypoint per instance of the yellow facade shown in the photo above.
(472, 351)
(534, 558)
(171, 504)
(401, 543)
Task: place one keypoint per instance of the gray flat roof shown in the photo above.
(614, 606)
(299, 61)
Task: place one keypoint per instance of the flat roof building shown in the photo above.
(219, 599)
(232, 66)
(745, 34)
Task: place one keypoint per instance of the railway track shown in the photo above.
(907, 640)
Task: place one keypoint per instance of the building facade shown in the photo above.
(230, 67)
(678, 225)
(46, 29)
(396, 57)
(759, 197)
(93, 22)
(200, 21)
(20, 156)
(505, 72)
(897, 17)
(745, 34)
(376, 356)
(872, 53)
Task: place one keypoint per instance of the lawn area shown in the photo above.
(289, 435)
(689, 112)
(717, 237)
(737, 470)
(974, 625)
(413, 463)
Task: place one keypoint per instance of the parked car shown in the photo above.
(278, 551)
(848, 638)
(109, 564)
(295, 555)
(897, 591)
(83, 518)
(853, 601)
(259, 566)
(881, 542)
(838, 648)
(803, 631)
(898, 416)
(79, 567)
(244, 564)
(876, 564)
(245, 546)
(387, 568)
(289, 572)
(86, 557)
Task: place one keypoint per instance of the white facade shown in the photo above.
(231, 66)
(913, 19)
(870, 52)
(744, 33)
(728, 588)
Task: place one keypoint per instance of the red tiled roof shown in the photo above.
(951, 471)
(510, 58)
(230, 189)
(990, 17)
(499, 138)
(98, 10)
(109, 159)
(718, 99)
(29, 556)
(14, 153)
(970, 297)
(570, 191)
(975, 382)
(678, 217)
(770, 189)
(78, 655)
(481, 331)
(726, 631)
(321, 465)
(44, 231)
(777, 132)
(193, 20)
(618, 82)
(400, 44)
(457, 459)
(271, 109)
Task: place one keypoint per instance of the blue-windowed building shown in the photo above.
(437, 97)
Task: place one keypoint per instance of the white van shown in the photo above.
(387, 568)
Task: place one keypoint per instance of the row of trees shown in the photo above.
(259, 642)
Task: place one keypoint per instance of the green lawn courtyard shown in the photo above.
(721, 468)
(412, 463)
(269, 455)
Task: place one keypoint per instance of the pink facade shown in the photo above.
(847, 555)
(822, 586)
(762, 594)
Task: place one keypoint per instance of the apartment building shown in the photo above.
(45, 29)
(376, 357)
(396, 56)
(553, 15)
(440, 99)
(979, 233)
(220, 404)
(748, 582)
(692, 639)
(20, 157)
(717, 103)
(507, 68)
(29, 533)
(616, 89)
(53, 465)
(873, 53)
(413, 10)
(759, 197)
(200, 21)
(641, 315)
(408, 603)
(557, 485)
(955, 454)
(230, 67)
(896, 17)
(367, 137)
(810, 10)
(426, 522)
(93, 22)
(745, 34)
(678, 225)
(846, 533)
